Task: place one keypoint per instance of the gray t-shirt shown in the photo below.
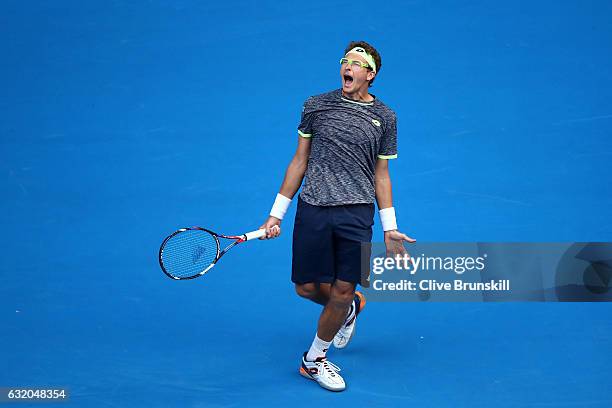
(347, 139)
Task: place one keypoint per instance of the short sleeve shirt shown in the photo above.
(348, 137)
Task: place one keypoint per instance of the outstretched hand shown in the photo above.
(394, 241)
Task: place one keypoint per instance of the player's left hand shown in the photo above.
(394, 241)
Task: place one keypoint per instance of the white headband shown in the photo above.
(365, 55)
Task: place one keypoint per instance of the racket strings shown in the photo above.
(188, 253)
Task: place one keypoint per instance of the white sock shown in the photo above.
(317, 349)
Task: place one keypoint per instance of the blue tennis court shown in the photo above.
(124, 120)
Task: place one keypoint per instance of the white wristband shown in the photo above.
(281, 204)
(387, 219)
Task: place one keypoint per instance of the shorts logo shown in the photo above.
(375, 122)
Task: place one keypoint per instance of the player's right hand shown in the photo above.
(272, 227)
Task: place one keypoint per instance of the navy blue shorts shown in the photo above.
(327, 242)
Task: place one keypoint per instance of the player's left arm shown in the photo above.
(394, 239)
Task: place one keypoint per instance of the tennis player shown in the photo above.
(345, 141)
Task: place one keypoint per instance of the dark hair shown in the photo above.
(370, 50)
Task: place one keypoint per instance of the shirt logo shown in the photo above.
(375, 122)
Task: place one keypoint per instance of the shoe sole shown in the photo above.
(304, 374)
(362, 300)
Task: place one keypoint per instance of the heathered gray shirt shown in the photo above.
(347, 138)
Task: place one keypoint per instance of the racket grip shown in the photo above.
(255, 234)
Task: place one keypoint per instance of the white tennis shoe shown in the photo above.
(324, 372)
(347, 331)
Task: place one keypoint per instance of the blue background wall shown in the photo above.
(122, 121)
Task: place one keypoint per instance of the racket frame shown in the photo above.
(238, 239)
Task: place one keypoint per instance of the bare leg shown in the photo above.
(334, 313)
(317, 292)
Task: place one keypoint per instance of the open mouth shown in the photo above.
(348, 80)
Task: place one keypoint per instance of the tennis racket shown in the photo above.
(191, 252)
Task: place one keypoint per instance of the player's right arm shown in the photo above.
(296, 169)
(294, 175)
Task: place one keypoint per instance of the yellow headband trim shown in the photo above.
(369, 59)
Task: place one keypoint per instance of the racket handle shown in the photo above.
(255, 234)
